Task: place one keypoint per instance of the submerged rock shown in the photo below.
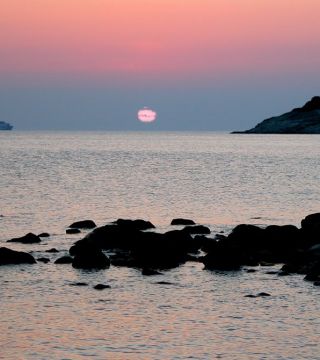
(78, 284)
(262, 294)
(304, 120)
(164, 283)
(52, 250)
(11, 257)
(43, 259)
(29, 238)
(83, 224)
(101, 287)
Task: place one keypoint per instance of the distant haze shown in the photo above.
(200, 64)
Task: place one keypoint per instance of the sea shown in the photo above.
(50, 179)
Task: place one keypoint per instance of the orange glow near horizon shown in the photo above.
(172, 38)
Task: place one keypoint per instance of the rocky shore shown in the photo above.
(304, 120)
(135, 243)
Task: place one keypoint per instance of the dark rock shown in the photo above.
(150, 272)
(180, 221)
(275, 244)
(311, 222)
(247, 237)
(163, 251)
(44, 260)
(304, 120)
(272, 272)
(314, 251)
(84, 224)
(316, 283)
(313, 272)
(207, 244)
(73, 231)
(84, 245)
(223, 258)
(122, 258)
(282, 241)
(29, 238)
(136, 248)
(110, 237)
(43, 235)
(91, 259)
(64, 260)
(197, 229)
(78, 284)
(310, 229)
(251, 270)
(11, 257)
(52, 250)
(298, 263)
(134, 224)
(101, 287)
(262, 294)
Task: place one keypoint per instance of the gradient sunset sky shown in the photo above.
(201, 64)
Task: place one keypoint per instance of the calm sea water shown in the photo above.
(50, 179)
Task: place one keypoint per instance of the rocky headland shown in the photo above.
(304, 120)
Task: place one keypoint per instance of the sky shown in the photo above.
(201, 64)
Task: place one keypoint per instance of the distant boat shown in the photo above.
(5, 126)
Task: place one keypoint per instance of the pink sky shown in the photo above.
(161, 38)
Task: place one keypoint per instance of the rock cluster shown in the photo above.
(134, 243)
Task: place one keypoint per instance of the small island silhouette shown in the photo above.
(5, 126)
(304, 120)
